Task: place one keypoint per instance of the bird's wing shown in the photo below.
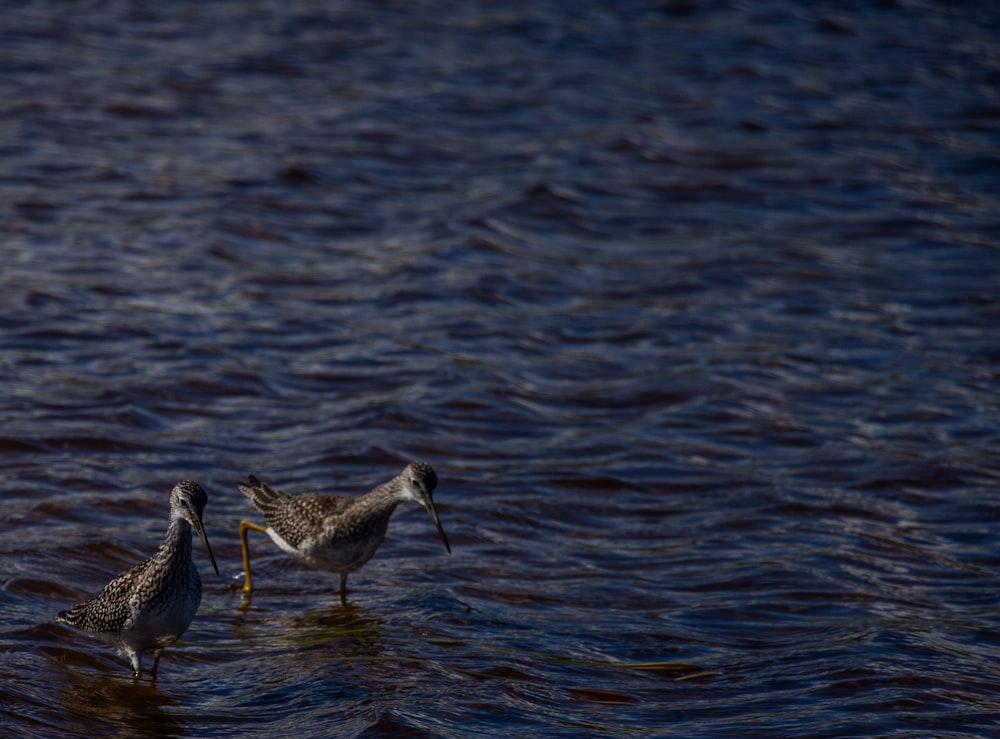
(110, 610)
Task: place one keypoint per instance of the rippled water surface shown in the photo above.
(693, 306)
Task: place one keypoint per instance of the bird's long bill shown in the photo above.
(429, 505)
(200, 528)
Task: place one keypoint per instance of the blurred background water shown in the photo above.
(693, 306)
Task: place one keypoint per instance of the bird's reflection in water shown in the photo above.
(134, 708)
(347, 633)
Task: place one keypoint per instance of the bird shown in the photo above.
(149, 606)
(335, 533)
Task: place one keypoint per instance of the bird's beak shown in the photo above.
(429, 505)
(200, 528)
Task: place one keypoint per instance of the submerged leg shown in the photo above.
(343, 588)
(244, 527)
(156, 663)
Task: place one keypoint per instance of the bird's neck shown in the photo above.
(383, 499)
(177, 542)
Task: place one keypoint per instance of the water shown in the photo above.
(693, 307)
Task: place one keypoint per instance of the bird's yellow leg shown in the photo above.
(244, 527)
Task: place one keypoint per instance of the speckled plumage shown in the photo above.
(335, 532)
(149, 606)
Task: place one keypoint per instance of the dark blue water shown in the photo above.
(693, 306)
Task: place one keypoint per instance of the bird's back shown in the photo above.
(295, 518)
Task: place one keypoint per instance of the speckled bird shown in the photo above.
(149, 606)
(334, 532)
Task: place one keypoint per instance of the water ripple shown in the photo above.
(692, 306)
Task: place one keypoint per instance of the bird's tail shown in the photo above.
(71, 616)
(259, 492)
